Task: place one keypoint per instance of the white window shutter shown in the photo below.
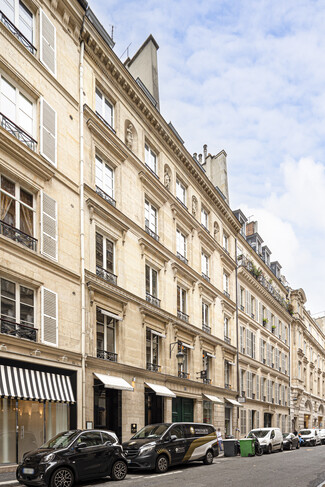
(49, 317)
(49, 241)
(47, 43)
(48, 131)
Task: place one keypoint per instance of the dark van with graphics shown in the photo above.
(157, 446)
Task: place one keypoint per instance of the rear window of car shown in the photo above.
(197, 430)
(305, 432)
(107, 437)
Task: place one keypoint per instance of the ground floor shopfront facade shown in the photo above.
(308, 411)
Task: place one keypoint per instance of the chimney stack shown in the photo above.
(205, 152)
(200, 158)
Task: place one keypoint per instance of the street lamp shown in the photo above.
(180, 354)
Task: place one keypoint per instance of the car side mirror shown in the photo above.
(108, 443)
(173, 437)
(81, 445)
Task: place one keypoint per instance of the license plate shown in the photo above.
(128, 460)
(28, 471)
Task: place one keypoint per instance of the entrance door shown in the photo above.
(108, 409)
(228, 425)
(267, 420)
(154, 407)
(30, 426)
(8, 430)
(182, 409)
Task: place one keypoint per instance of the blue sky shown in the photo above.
(247, 77)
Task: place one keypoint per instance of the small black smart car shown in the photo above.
(73, 456)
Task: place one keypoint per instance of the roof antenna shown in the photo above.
(112, 35)
(126, 51)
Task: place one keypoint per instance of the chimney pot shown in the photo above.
(200, 158)
(195, 155)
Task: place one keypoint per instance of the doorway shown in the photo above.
(108, 408)
(182, 409)
(228, 422)
(267, 420)
(154, 407)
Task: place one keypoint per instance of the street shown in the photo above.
(298, 468)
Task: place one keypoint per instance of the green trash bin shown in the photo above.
(247, 447)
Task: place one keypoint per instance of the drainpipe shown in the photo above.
(82, 234)
(237, 334)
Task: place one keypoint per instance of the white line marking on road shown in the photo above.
(9, 482)
(162, 474)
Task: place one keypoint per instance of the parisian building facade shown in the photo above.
(131, 293)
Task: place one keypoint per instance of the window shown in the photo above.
(180, 243)
(17, 303)
(105, 326)
(16, 207)
(226, 327)
(150, 158)
(16, 106)
(91, 439)
(206, 367)
(104, 108)
(262, 351)
(180, 192)
(152, 350)
(204, 218)
(151, 220)
(20, 16)
(243, 422)
(204, 264)
(104, 254)
(250, 343)
(242, 382)
(226, 284)
(151, 281)
(249, 379)
(242, 299)
(242, 339)
(227, 375)
(205, 314)
(104, 178)
(225, 242)
(183, 368)
(253, 309)
(181, 303)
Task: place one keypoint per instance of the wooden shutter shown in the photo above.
(257, 387)
(261, 350)
(49, 226)
(49, 317)
(48, 131)
(247, 302)
(47, 43)
(261, 313)
(253, 345)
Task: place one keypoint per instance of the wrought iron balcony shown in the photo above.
(13, 29)
(17, 132)
(104, 274)
(182, 203)
(206, 328)
(111, 356)
(105, 196)
(227, 386)
(242, 307)
(18, 330)
(226, 294)
(152, 233)
(206, 381)
(227, 339)
(182, 316)
(182, 258)
(183, 375)
(17, 235)
(153, 367)
(152, 171)
(106, 123)
(207, 278)
(153, 300)
(252, 315)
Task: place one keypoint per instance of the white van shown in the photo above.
(270, 439)
(310, 437)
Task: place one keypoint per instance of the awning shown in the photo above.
(161, 390)
(154, 332)
(34, 384)
(112, 382)
(210, 355)
(213, 398)
(111, 315)
(234, 402)
(186, 345)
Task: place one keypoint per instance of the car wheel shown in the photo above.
(119, 470)
(62, 477)
(208, 459)
(269, 449)
(290, 446)
(161, 464)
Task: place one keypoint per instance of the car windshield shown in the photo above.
(61, 440)
(305, 432)
(151, 431)
(258, 433)
(285, 435)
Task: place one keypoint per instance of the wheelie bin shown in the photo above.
(230, 447)
(247, 447)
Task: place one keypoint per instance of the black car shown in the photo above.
(73, 456)
(290, 441)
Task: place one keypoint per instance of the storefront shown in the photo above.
(154, 401)
(35, 404)
(182, 409)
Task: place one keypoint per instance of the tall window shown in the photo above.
(226, 283)
(16, 106)
(205, 318)
(16, 206)
(181, 303)
(205, 264)
(20, 16)
(225, 242)
(204, 218)
(183, 368)
(152, 350)
(227, 374)
(104, 177)
(151, 281)
(151, 220)
(104, 253)
(206, 366)
(180, 192)
(226, 327)
(150, 158)
(105, 336)
(104, 108)
(17, 303)
(180, 243)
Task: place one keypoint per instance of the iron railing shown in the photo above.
(105, 196)
(153, 367)
(111, 356)
(13, 29)
(152, 299)
(227, 386)
(227, 339)
(152, 233)
(207, 278)
(18, 330)
(182, 316)
(104, 274)
(226, 294)
(18, 236)
(108, 125)
(182, 258)
(17, 132)
(206, 381)
(183, 375)
(182, 203)
(206, 328)
(152, 171)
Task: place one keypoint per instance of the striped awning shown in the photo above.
(34, 385)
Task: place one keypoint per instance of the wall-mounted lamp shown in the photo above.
(180, 355)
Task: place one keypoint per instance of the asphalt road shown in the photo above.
(297, 468)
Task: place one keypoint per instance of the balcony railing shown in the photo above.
(207, 278)
(17, 235)
(152, 171)
(17, 132)
(206, 381)
(152, 233)
(182, 258)
(104, 274)
(182, 316)
(252, 315)
(18, 330)
(13, 29)
(227, 339)
(105, 196)
(183, 375)
(106, 123)
(206, 328)
(182, 203)
(153, 367)
(227, 386)
(111, 356)
(242, 307)
(226, 294)
(153, 300)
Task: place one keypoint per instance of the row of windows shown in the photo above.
(269, 355)
(253, 386)
(250, 419)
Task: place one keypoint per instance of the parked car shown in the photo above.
(310, 437)
(322, 436)
(157, 446)
(73, 456)
(290, 441)
(270, 438)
